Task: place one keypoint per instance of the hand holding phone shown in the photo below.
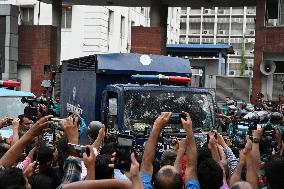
(78, 150)
(124, 148)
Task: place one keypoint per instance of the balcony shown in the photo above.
(208, 19)
(222, 40)
(223, 20)
(182, 41)
(183, 20)
(194, 40)
(195, 20)
(182, 32)
(195, 12)
(237, 20)
(251, 12)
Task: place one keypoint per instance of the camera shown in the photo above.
(124, 148)
(33, 108)
(78, 150)
(176, 118)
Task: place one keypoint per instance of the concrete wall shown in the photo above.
(11, 41)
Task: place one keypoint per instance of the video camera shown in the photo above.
(241, 129)
(33, 108)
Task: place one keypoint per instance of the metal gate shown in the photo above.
(236, 87)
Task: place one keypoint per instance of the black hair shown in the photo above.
(62, 148)
(12, 178)
(38, 181)
(236, 187)
(21, 117)
(103, 171)
(108, 148)
(274, 168)
(168, 158)
(209, 171)
(173, 179)
(43, 154)
(3, 150)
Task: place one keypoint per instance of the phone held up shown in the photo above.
(78, 150)
(124, 149)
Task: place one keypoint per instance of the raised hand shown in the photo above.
(187, 124)
(162, 120)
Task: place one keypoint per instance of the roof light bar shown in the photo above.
(9, 83)
(177, 79)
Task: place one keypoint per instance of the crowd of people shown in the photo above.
(28, 162)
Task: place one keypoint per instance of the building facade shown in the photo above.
(231, 25)
(85, 30)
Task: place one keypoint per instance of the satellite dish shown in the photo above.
(267, 67)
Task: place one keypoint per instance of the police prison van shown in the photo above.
(128, 91)
(11, 104)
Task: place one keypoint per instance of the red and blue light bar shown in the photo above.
(177, 79)
(9, 83)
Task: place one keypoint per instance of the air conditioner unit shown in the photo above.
(248, 72)
(232, 72)
(207, 11)
(252, 32)
(205, 32)
(222, 32)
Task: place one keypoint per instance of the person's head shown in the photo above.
(43, 156)
(57, 98)
(274, 169)
(168, 158)
(168, 178)
(108, 148)
(210, 174)
(13, 178)
(93, 130)
(103, 171)
(25, 123)
(228, 98)
(242, 185)
(38, 181)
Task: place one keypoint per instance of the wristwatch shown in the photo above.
(256, 140)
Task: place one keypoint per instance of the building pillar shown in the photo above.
(220, 64)
(56, 21)
(258, 48)
(8, 41)
(159, 17)
(226, 65)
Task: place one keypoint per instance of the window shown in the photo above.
(27, 15)
(274, 12)
(66, 17)
(142, 10)
(122, 27)
(110, 21)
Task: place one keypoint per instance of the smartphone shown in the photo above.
(78, 150)
(176, 118)
(124, 149)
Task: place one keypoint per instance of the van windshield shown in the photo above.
(143, 107)
(11, 106)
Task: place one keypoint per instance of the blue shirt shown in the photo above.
(192, 184)
(147, 182)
